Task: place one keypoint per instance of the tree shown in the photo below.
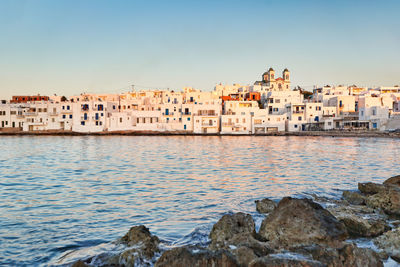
(63, 99)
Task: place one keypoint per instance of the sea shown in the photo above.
(67, 197)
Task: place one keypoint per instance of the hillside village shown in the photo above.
(269, 105)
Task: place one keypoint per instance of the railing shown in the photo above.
(298, 111)
(30, 113)
(53, 113)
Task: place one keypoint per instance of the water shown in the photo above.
(59, 194)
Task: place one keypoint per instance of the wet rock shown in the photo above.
(388, 200)
(370, 188)
(229, 226)
(348, 255)
(144, 246)
(187, 256)
(246, 240)
(359, 227)
(389, 242)
(298, 222)
(360, 221)
(79, 264)
(137, 235)
(271, 261)
(265, 205)
(358, 210)
(395, 181)
(354, 198)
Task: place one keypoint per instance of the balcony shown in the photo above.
(30, 113)
(298, 111)
(53, 113)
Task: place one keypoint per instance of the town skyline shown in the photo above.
(69, 47)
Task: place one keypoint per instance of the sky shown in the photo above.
(67, 47)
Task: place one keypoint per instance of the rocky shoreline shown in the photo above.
(294, 232)
(182, 133)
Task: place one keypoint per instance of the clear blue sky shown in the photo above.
(73, 46)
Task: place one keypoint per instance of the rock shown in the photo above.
(298, 222)
(139, 234)
(246, 240)
(387, 200)
(145, 246)
(389, 242)
(395, 181)
(79, 263)
(229, 226)
(265, 205)
(348, 255)
(270, 261)
(187, 256)
(354, 198)
(359, 227)
(244, 255)
(358, 210)
(370, 188)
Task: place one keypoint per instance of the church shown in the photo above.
(275, 84)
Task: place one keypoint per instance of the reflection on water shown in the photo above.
(60, 193)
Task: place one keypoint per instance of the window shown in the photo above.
(82, 123)
(70, 116)
(63, 116)
(67, 107)
(299, 118)
(340, 103)
(295, 126)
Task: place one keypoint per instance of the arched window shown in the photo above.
(279, 85)
(287, 77)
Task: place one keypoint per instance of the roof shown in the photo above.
(285, 70)
(279, 79)
(271, 69)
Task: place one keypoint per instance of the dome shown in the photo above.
(271, 69)
(285, 70)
